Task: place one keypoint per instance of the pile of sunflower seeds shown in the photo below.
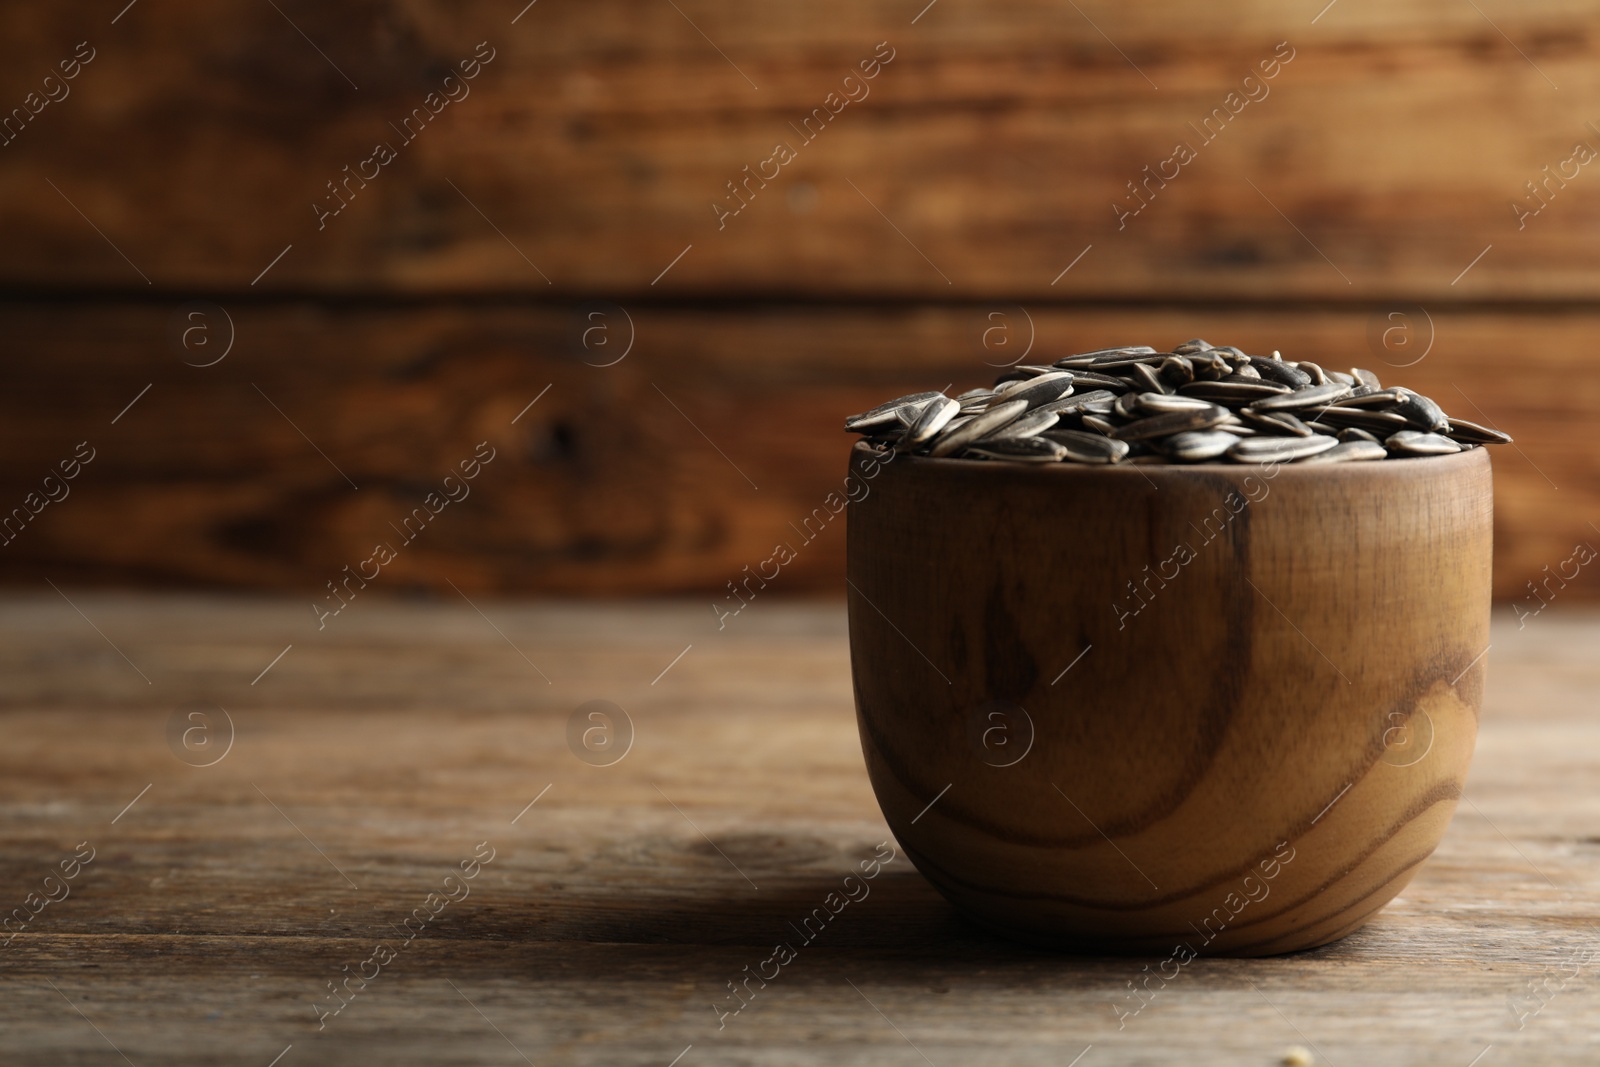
(1197, 402)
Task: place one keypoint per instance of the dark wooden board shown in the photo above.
(1382, 160)
(630, 477)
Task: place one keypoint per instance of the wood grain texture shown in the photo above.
(1225, 706)
(1384, 157)
(607, 926)
(607, 485)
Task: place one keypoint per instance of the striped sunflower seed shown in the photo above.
(1176, 370)
(1145, 378)
(1377, 400)
(1421, 412)
(1084, 359)
(1126, 359)
(1096, 380)
(1276, 421)
(1210, 367)
(981, 425)
(1020, 449)
(1039, 390)
(1419, 443)
(1088, 447)
(1382, 423)
(1193, 446)
(1078, 400)
(1232, 391)
(935, 417)
(1472, 434)
(1350, 452)
(1029, 424)
(1280, 449)
(1160, 403)
(1318, 375)
(878, 414)
(1276, 370)
(1170, 423)
(1309, 397)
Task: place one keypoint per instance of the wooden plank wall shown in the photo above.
(1349, 183)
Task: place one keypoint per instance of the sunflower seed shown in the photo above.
(1100, 424)
(1190, 347)
(979, 426)
(884, 412)
(1145, 377)
(1170, 423)
(1040, 390)
(872, 421)
(1350, 451)
(1421, 412)
(1126, 359)
(1097, 380)
(1159, 403)
(1275, 370)
(1280, 449)
(1276, 421)
(1078, 400)
(935, 417)
(1377, 400)
(1192, 446)
(1318, 375)
(1366, 378)
(1088, 447)
(1309, 397)
(1354, 433)
(1382, 423)
(1417, 443)
(1473, 434)
(1023, 449)
(1176, 370)
(1026, 426)
(1083, 359)
(1232, 391)
(1209, 366)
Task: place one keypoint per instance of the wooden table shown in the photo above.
(372, 758)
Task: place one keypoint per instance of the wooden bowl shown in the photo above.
(1124, 709)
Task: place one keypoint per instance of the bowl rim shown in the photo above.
(1395, 466)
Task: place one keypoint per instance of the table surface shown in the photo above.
(358, 778)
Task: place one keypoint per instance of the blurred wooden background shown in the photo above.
(551, 234)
